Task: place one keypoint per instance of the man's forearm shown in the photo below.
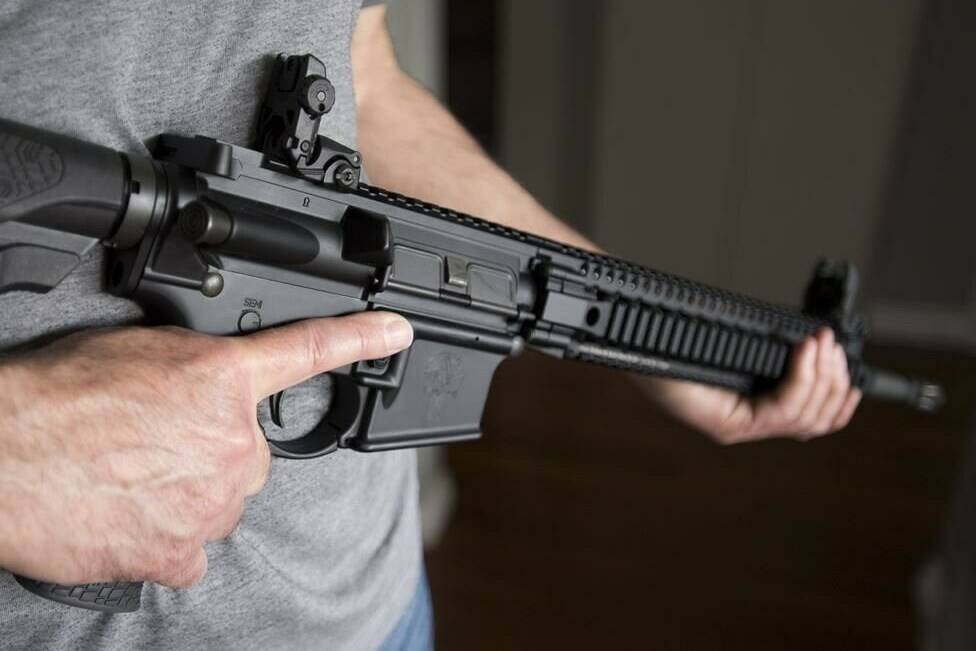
(412, 145)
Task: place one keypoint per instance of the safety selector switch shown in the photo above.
(249, 321)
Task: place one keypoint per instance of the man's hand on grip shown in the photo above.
(122, 451)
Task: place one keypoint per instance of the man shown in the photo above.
(124, 451)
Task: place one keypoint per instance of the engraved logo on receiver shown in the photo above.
(26, 168)
(443, 376)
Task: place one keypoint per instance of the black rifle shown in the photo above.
(227, 240)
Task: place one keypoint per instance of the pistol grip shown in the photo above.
(111, 597)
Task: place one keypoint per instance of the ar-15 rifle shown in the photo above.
(226, 240)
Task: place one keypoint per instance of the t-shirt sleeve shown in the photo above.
(370, 3)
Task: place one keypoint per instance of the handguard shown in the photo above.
(227, 240)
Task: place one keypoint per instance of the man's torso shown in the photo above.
(328, 554)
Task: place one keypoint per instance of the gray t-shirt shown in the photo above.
(328, 555)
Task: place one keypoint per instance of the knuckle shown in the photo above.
(188, 572)
(218, 501)
(842, 421)
(824, 364)
(250, 458)
(239, 445)
(822, 378)
(810, 422)
(804, 423)
(224, 527)
(190, 577)
(362, 340)
(316, 346)
(791, 412)
(808, 379)
(190, 495)
(843, 384)
(176, 554)
(169, 560)
(838, 384)
(806, 374)
(199, 506)
(204, 502)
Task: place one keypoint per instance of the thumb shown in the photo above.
(282, 357)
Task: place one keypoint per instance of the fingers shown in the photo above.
(840, 386)
(282, 357)
(262, 463)
(823, 384)
(775, 413)
(815, 397)
(226, 522)
(846, 411)
(187, 573)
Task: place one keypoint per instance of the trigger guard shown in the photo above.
(344, 414)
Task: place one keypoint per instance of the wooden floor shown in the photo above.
(587, 520)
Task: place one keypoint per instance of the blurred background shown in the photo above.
(734, 143)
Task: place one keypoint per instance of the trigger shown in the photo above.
(274, 403)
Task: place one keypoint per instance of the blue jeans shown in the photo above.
(415, 630)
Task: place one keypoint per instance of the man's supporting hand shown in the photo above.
(815, 398)
(123, 451)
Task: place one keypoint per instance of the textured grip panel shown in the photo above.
(113, 597)
(60, 183)
(26, 167)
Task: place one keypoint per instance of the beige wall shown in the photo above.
(925, 267)
(740, 141)
(548, 61)
(737, 142)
